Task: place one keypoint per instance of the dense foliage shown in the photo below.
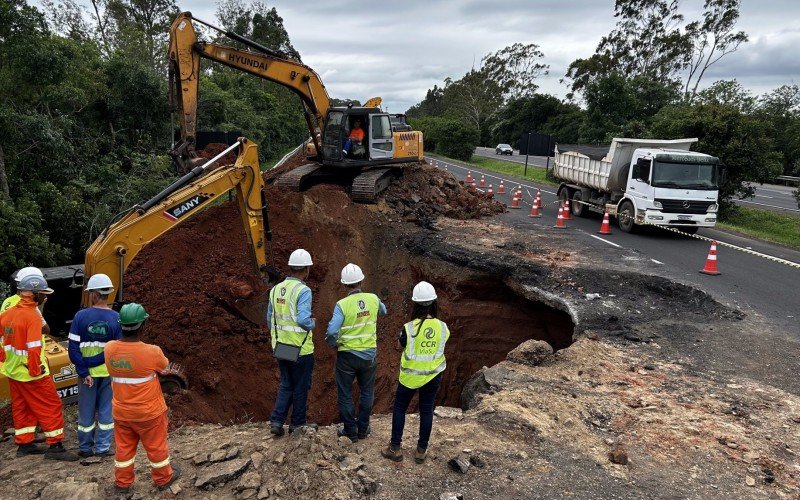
(85, 123)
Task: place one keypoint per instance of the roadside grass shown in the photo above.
(536, 174)
(764, 225)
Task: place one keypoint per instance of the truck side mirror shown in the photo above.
(641, 170)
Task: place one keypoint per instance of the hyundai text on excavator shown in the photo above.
(130, 231)
(370, 167)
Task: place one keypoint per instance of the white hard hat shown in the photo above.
(423, 293)
(100, 282)
(300, 258)
(352, 274)
(28, 271)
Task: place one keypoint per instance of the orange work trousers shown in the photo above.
(153, 435)
(36, 402)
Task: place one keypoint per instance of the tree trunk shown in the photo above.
(5, 194)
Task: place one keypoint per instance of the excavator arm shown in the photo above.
(118, 245)
(185, 52)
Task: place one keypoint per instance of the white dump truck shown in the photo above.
(641, 181)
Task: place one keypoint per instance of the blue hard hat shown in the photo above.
(35, 284)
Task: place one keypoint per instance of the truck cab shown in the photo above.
(670, 187)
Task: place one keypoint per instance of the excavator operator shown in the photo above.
(356, 138)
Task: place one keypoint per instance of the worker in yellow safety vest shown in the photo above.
(353, 331)
(421, 365)
(290, 322)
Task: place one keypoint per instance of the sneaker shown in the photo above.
(29, 449)
(420, 454)
(176, 474)
(340, 432)
(365, 434)
(86, 454)
(277, 430)
(392, 453)
(58, 452)
(309, 426)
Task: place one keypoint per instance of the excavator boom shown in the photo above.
(113, 251)
(185, 52)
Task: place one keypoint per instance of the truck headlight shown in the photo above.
(658, 205)
(712, 208)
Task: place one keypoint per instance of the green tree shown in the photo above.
(516, 68)
(432, 105)
(141, 29)
(473, 100)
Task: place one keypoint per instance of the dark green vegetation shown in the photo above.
(769, 226)
(85, 115)
(642, 81)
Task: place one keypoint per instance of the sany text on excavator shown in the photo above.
(135, 228)
(369, 165)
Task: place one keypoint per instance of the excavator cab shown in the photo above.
(340, 149)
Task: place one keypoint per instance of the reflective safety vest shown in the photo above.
(10, 302)
(284, 327)
(360, 326)
(93, 342)
(15, 366)
(423, 357)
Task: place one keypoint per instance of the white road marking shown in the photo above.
(771, 206)
(762, 196)
(605, 241)
(657, 261)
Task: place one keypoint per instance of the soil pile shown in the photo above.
(426, 192)
(213, 149)
(187, 278)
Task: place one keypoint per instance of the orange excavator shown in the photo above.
(368, 165)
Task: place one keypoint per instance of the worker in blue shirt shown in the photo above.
(353, 332)
(290, 323)
(89, 332)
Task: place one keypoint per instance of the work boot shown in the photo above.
(392, 453)
(276, 429)
(365, 434)
(58, 452)
(122, 493)
(420, 454)
(340, 432)
(176, 473)
(29, 449)
(85, 454)
(107, 453)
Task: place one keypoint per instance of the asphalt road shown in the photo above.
(767, 196)
(754, 284)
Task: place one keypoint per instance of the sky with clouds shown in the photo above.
(398, 50)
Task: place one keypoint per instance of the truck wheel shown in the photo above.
(626, 217)
(577, 206)
(689, 230)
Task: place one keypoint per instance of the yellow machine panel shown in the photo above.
(408, 145)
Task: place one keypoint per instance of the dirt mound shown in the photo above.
(188, 276)
(425, 192)
(213, 149)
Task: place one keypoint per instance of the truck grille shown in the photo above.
(684, 206)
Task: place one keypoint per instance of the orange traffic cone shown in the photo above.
(567, 211)
(469, 179)
(483, 182)
(711, 261)
(490, 191)
(501, 189)
(560, 222)
(538, 200)
(514, 202)
(534, 210)
(519, 192)
(605, 227)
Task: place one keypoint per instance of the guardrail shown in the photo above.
(788, 179)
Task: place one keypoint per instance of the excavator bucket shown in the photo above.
(253, 309)
(173, 379)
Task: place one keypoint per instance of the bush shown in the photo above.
(447, 137)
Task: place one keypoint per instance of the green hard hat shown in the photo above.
(132, 315)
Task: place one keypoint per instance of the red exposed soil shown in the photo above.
(215, 148)
(186, 277)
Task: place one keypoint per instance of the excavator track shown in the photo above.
(299, 178)
(368, 185)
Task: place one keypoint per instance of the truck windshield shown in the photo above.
(685, 175)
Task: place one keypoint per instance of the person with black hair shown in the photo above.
(421, 366)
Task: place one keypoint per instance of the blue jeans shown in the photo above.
(350, 367)
(427, 402)
(95, 400)
(293, 391)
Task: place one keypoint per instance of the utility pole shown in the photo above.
(547, 165)
(527, 152)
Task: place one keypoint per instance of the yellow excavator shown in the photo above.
(135, 228)
(369, 164)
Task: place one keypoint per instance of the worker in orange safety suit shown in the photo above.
(34, 399)
(138, 406)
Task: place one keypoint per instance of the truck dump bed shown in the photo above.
(610, 173)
